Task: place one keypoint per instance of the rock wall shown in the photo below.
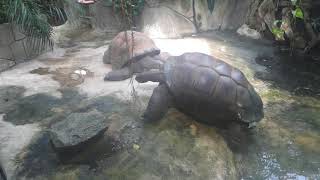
(163, 22)
(229, 14)
(174, 18)
(103, 18)
(13, 47)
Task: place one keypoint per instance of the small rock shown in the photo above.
(136, 147)
(57, 110)
(193, 129)
(6, 64)
(245, 30)
(75, 132)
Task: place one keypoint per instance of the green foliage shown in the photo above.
(277, 31)
(31, 16)
(297, 13)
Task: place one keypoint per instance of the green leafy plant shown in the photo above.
(297, 11)
(277, 31)
(31, 17)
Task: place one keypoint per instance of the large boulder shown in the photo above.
(245, 30)
(76, 131)
(229, 14)
(14, 46)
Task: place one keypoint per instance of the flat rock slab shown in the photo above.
(76, 131)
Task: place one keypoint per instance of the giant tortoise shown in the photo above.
(131, 52)
(205, 88)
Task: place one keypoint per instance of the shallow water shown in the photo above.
(284, 145)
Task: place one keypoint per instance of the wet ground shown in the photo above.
(35, 94)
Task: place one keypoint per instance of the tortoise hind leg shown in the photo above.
(118, 75)
(159, 103)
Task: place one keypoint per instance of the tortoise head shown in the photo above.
(254, 113)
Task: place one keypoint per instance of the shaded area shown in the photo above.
(131, 149)
(284, 144)
(297, 74)
(9, 95)
(39, 107)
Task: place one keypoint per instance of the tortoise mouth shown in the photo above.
(250, 117)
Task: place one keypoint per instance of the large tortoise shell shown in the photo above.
(197, 76)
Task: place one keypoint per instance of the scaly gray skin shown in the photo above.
(205, 88)
(145, 64)
(2, 173)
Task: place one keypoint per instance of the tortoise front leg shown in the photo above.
(118, 75)
(159, 103)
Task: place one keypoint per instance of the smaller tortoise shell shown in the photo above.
(129, 46)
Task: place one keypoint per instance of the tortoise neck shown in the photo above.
(154, 76)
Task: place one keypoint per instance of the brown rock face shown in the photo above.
(129, 46)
